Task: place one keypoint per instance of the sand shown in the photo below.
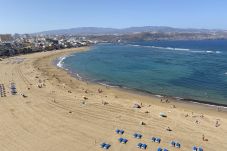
(59, 112)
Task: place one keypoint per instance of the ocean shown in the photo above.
(188, 70)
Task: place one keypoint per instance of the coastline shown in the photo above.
(60, 112)
(59, 60)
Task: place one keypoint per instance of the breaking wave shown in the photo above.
(179, 49)
(61, 62)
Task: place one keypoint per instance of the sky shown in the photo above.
(29, 16)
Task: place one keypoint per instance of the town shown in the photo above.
(16, 44)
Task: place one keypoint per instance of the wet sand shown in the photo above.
(58, 112)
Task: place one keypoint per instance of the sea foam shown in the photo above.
(179, 49)
(61, 62)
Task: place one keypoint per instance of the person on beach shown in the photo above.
(197, 122)
(217, 124)
(204, 139)
(168, 129)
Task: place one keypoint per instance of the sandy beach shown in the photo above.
(53, 111)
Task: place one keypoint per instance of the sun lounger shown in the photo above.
(119, 131)
(139, 145)
(165, 149)
(177, 145)
(159, 149)
(144, 146)
(13, 92)
(120, 140)
(135, 135)
(173, 143)
(102, 145)
(138, 136)
(107, 146)
(153, 139)
(194, 148)
(124, 141)
(13, 87)
(157, 140)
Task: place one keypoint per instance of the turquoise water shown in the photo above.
(187, 69)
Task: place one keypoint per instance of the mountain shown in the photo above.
(111, 31)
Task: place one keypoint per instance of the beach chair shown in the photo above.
(13, 92)
(200, 149)
(117, 131)
(13, 87)
(121, 132)
(120, 140)
(135, 135)
(173, 143)
(144, 146)
(165, 149)
(194, 148)
(157, 140)
(177, 145)
(139, 145)
(138, 136)
(159, 149)
(102, 145)
(153, 139)
(107, 146)
(124, 141)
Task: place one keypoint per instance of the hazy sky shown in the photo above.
(25, 16)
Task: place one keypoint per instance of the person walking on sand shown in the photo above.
(204, 139)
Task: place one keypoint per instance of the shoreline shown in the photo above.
(57, 62)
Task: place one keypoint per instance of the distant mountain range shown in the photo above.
(111, 31)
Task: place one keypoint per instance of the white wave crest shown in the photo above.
(61, 62)
(78, 76)
(179, 49)
(107, 85)
(159, 96)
